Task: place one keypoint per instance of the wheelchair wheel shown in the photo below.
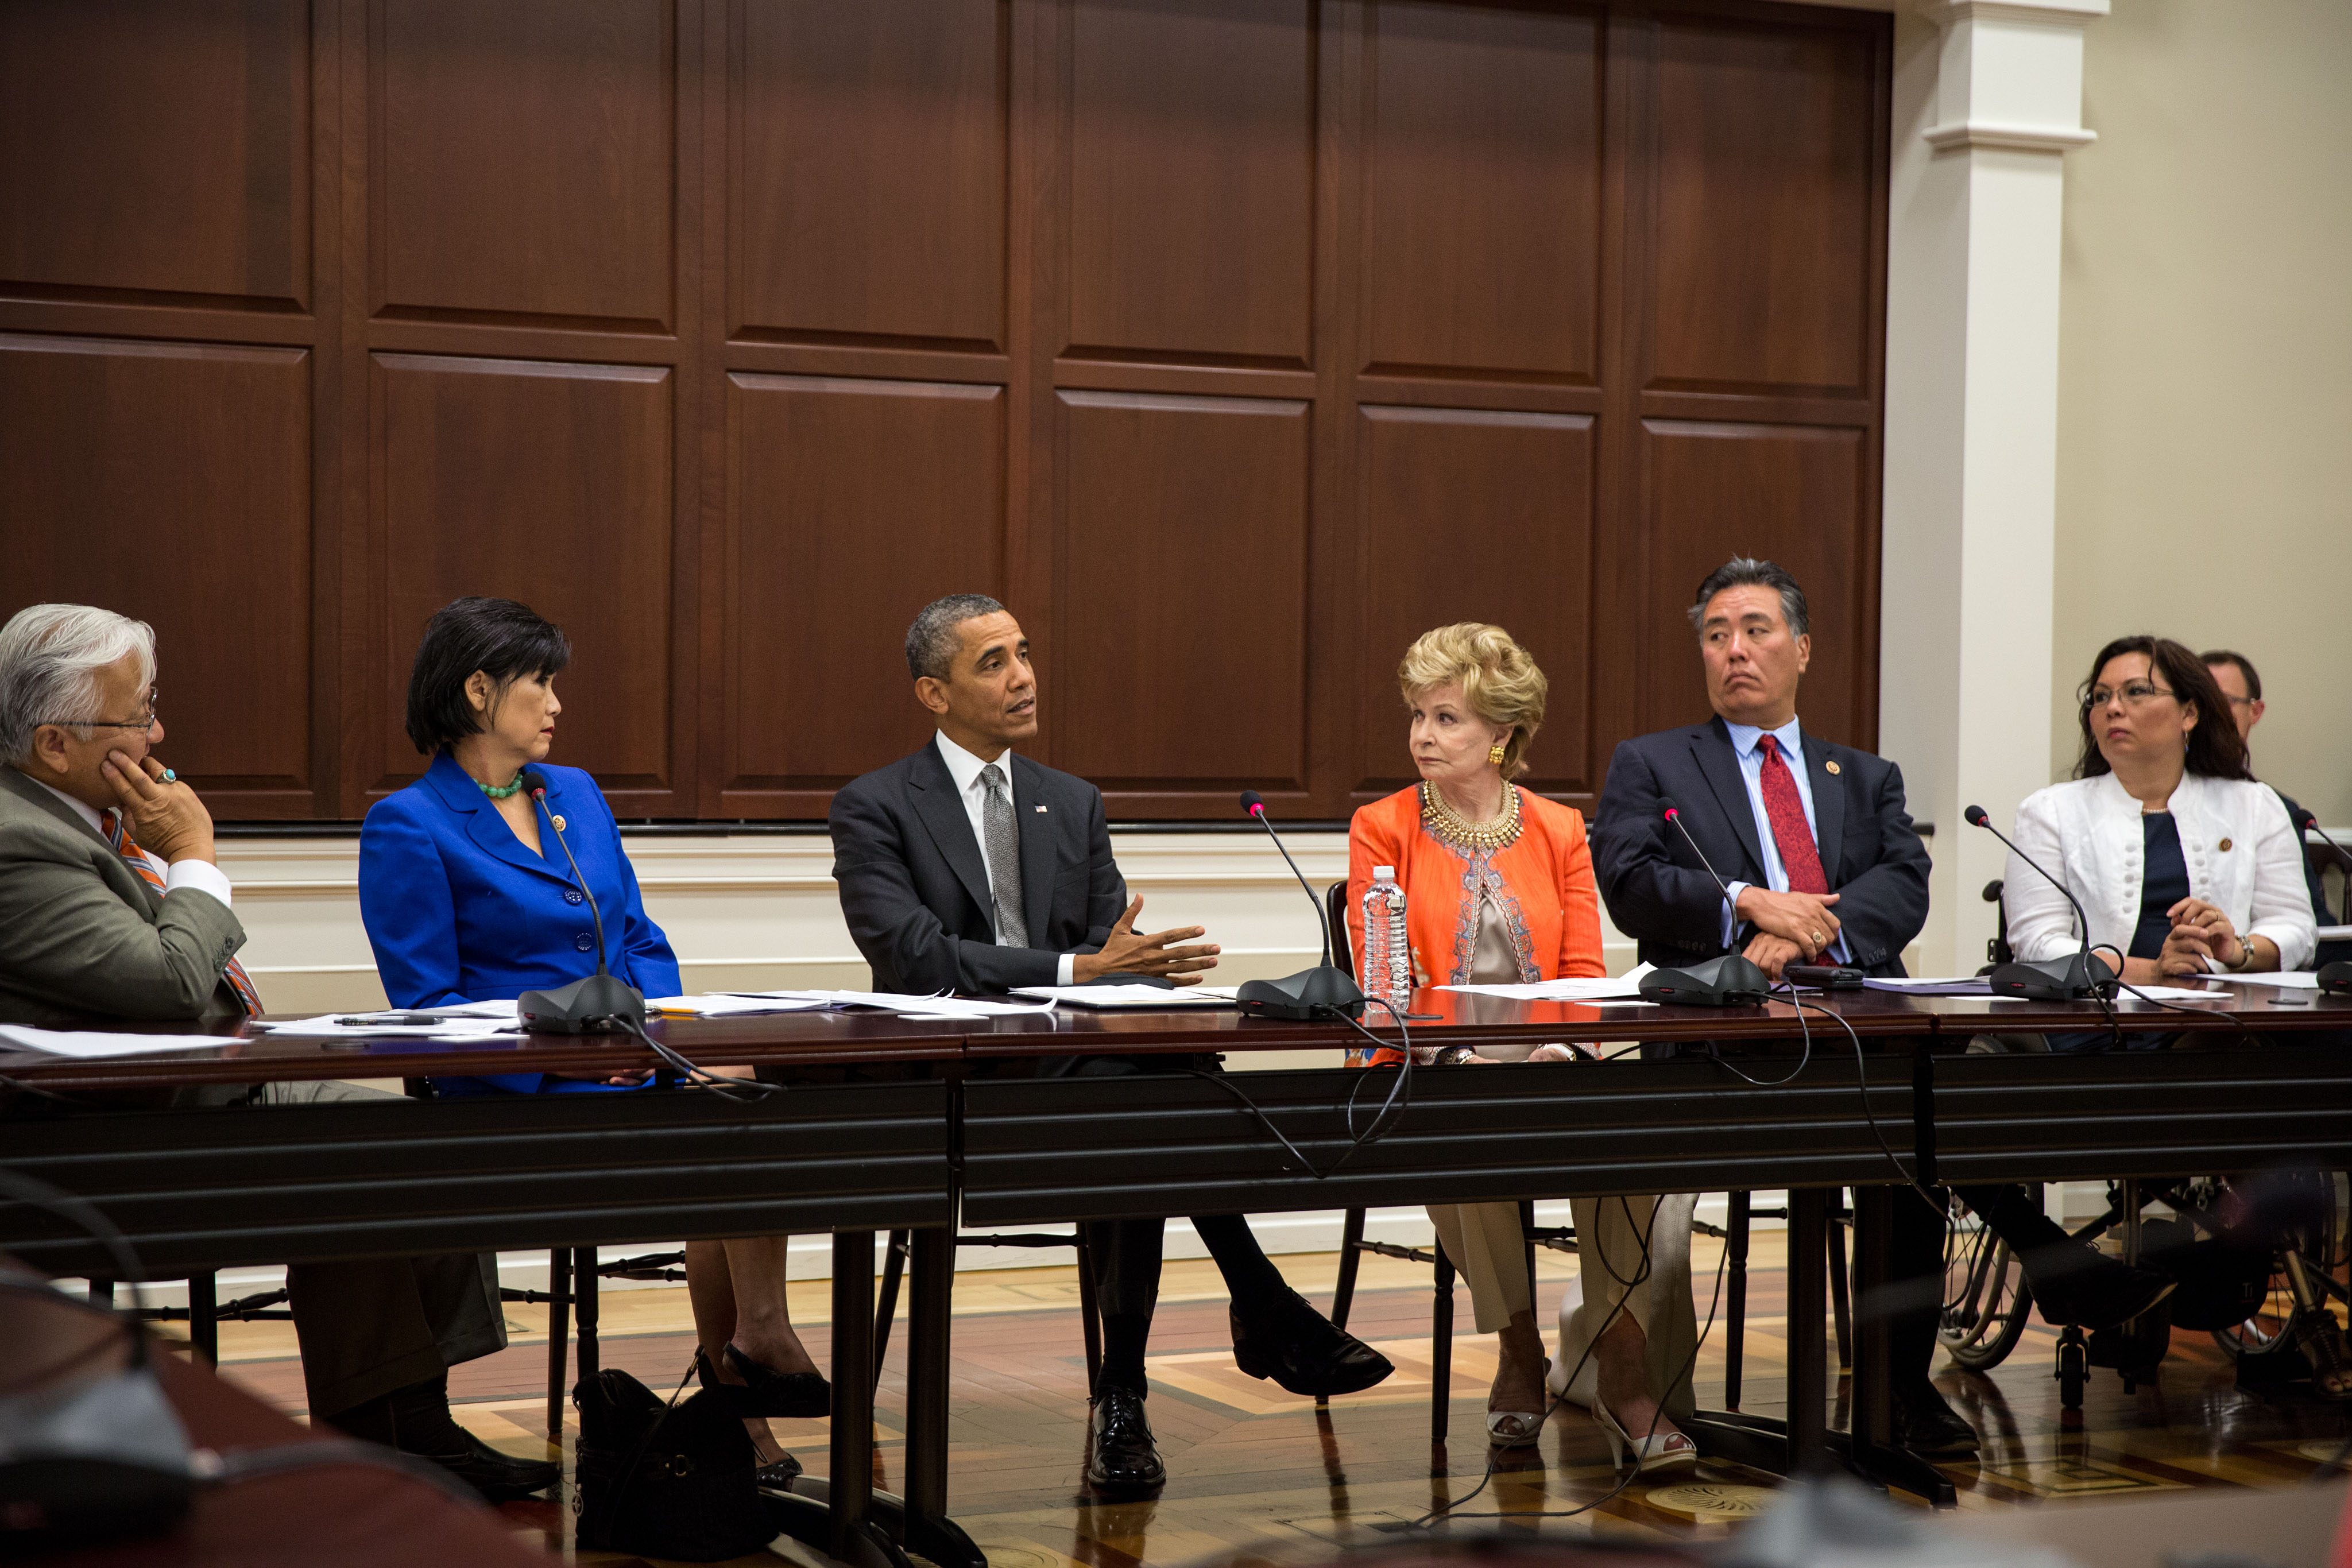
(2318, 1238)
(1987, 1302)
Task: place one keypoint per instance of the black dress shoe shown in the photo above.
(779, 1476)
(1121, 1456)
(765, 1391)
(498, 1477)
(2097, 1293)
(1300, 1349)
(1925, 1424)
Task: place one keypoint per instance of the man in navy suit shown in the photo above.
(966, 867)
(1820, 859)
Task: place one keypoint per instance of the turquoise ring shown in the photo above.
(170, 776)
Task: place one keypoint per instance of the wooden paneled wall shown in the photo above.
(1231, 342)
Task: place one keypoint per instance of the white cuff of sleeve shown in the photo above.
(201, 875)
(1731, 909)
(1064, 967)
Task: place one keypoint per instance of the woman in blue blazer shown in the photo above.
(465, 901)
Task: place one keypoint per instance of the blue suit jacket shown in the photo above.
(459, 910)
(1658, 893)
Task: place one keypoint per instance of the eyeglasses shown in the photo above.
(2135, 693)
(144, 723)
(2237, 702)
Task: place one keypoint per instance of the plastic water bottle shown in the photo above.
(1387, 971)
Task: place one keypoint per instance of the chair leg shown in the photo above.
(583, 1308)
(1089, 1313)
(1440, 1348)
(1734, 1314)
(1841, 1298)
(1527, 1223)
(1351, 1253)
(558, 1336)
(894, 1270)
(203, 1320)
(101, 1294)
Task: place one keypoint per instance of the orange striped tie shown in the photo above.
(119, 835)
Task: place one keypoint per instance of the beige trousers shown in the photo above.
(1610, 1236)
(1487, 1246)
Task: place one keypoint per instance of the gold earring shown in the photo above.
(1494, 755)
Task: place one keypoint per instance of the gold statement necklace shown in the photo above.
(1455, 829)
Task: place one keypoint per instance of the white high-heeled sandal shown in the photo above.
(1653, 1451)
(1517, 1428)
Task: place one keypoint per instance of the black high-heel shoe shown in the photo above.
(765, 1391)
(780, 1475)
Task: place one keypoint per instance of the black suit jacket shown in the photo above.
(914, 881)
(1659, 893)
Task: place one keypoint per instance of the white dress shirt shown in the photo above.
(201, 875)
(2245, 858)
(1791, 737)
(965, 769)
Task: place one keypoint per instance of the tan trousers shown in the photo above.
(1487, 1246)
(1610, 1235)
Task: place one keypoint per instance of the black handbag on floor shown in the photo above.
(663, 1480)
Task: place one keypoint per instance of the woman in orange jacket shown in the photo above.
(1499, 891)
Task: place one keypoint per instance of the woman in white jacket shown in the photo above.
(2185, 864)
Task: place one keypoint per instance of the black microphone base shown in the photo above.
(2078, 977)
(2335, 978)
(599, 1004)
(1321, 992)
(1730, 981)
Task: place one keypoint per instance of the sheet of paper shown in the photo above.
(332, 1026)
(721, 1004)
(89, 1045)
(2180, 994)
(1577, 991)
(1130, 996)
(2295, 980)
(1961, 986)
(911, 1007)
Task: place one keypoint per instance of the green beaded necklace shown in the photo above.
(499, 791)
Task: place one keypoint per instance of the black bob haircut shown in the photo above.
(504, 640)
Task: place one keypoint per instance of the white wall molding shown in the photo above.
(2007, 138)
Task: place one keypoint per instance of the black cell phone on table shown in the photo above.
(1823, 976)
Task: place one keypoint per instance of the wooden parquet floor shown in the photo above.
(1249, 1464)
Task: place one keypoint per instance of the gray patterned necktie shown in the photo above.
(1004, 846)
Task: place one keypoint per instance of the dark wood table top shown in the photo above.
(860, 1037)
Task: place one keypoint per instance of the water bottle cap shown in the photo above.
(1385, 874)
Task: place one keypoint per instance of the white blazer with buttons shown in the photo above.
(2244, 858)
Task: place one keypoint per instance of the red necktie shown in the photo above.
(1798, 857)
(128, 847)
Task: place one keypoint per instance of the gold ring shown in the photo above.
(1816, 937)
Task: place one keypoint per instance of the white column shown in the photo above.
(1988, 100)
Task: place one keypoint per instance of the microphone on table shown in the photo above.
(2083, 976)
(598, 1003)
(1731, 980)
(1323, 991)
(2335, 978)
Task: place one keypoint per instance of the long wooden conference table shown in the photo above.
(891, 1123)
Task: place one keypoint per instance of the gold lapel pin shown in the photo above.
(559, 824)
(1830, 765)
(2225, 846)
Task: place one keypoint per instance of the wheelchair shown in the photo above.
(1987, 1301)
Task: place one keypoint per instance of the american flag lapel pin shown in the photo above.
(1041, 808)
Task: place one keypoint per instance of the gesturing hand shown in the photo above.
(1128, 952)
(1802, 918)
(166, 817)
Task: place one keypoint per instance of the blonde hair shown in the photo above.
(1499, 680)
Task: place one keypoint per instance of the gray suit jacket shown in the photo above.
(82, 936)
(914, 882)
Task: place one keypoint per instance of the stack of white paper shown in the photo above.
(89, 1045)
(1133, 996)
(1623, 989)
(942, 1007)
(727, 1004)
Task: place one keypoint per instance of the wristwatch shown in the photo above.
(1452, 1055)
(2245, 958)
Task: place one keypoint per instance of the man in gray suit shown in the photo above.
(965, 867)
(116, 910)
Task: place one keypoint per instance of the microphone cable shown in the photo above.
(1383, 1122)
(741, 1091)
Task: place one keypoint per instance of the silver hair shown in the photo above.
(931, 640)
(49, 658)
(1747, 571)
